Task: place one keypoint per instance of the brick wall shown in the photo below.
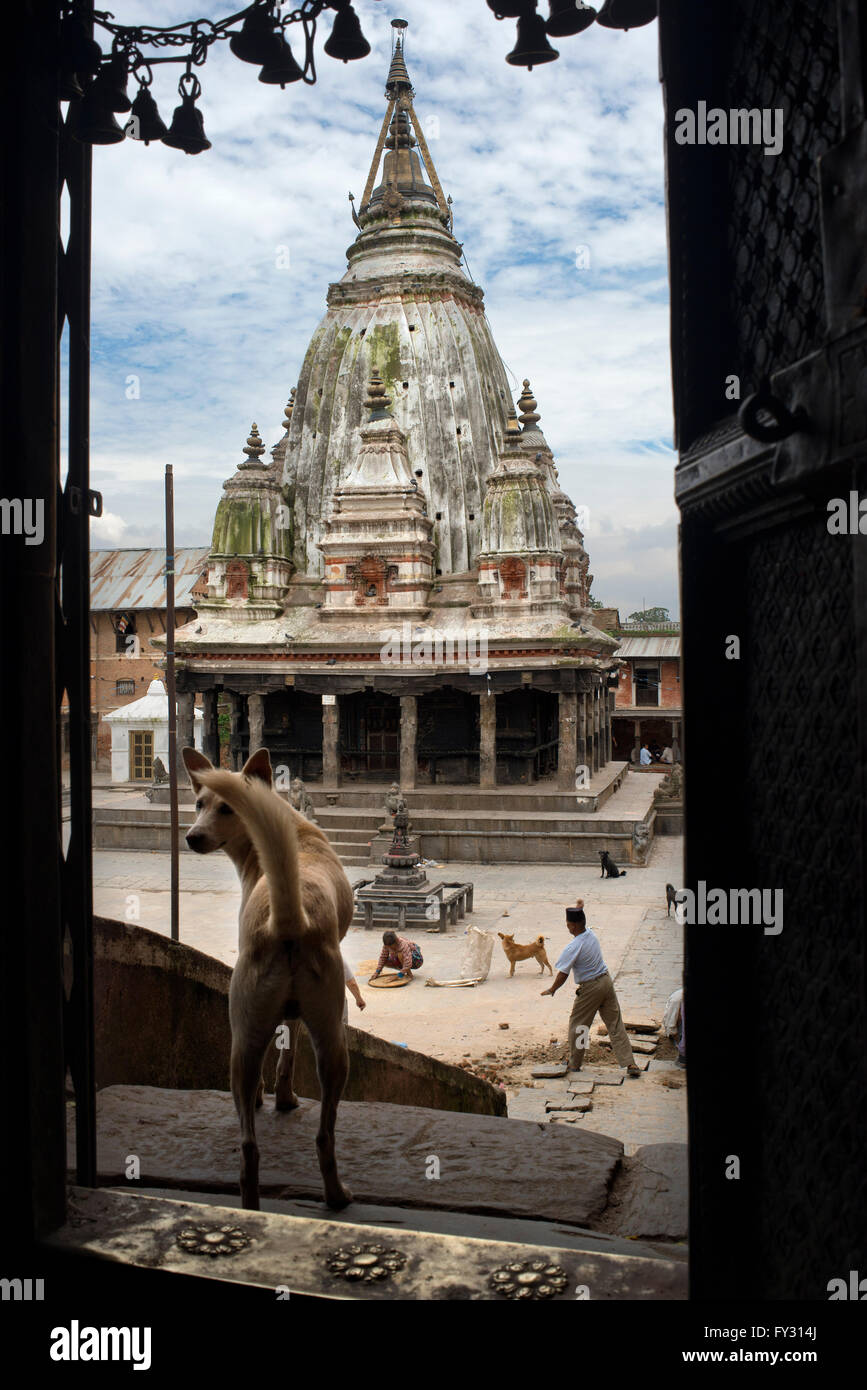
(669, 685)
(108, 666)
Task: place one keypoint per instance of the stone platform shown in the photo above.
(502, 825)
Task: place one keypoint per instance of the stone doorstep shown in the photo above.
(295, 1251)
(190, 1139)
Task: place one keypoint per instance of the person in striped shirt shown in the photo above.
(399, 953)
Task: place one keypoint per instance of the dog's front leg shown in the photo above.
(285, 1098)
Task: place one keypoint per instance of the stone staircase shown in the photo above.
(460, 824)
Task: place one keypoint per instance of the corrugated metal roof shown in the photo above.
(649, 646)
(121, 579)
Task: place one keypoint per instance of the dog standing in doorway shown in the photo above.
(296, 905)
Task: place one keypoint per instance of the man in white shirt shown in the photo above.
(644, 758)
(595, 993)
(352, 986)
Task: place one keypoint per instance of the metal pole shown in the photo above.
(170, 687)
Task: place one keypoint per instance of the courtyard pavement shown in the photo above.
(641, 945)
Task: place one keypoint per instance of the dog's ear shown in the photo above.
(194, 762)
(259, 765)
(500, 935)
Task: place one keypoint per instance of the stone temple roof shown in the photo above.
(329, 570)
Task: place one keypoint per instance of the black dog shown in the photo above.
(609, 866)
(671, 897)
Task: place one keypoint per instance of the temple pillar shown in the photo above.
(609, 722)
(185, 726)
(236, 718)
(408, 740)
(581, 758)
(636, 751)
(487, 740)
(330, 742)
(675, 741)
(596, 729)
(567, 755)
(256, 721)
(210, 728)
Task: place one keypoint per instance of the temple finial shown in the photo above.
(527, 404)
(398, 77)
(378, 400)
(254, 448)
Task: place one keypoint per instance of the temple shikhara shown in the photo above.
(400, 590)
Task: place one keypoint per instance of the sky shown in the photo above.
(210, 272)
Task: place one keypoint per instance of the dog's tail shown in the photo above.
(270, 824)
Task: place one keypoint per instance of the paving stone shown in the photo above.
(550, 1069)
(636, 1023)
(643, 1045)
(580, 1088)
(605, 1076)
(581, 1103)
(651, 1192)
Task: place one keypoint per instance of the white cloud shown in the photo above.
(108, 530)
(188, 296)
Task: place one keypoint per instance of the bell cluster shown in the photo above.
(565, 17)
(97, 84)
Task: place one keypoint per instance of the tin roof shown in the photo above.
(649, 646)
(135, 579)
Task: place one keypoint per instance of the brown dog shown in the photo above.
(534, 951)
(296, 905)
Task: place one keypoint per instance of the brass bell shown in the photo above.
(258, 41)
(145, 123)
(568, 17)
(110, 83)
(283, 70)
(95, 122)
(346, 40)
(626, 14)
(532, 46)
(79, 55)
(187, 130)
(508, 9)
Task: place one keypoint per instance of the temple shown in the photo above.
(401, 587)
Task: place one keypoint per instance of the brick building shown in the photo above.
(127, 609)
(648, 706)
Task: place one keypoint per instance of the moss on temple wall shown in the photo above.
(383, 345)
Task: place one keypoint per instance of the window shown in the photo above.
(647, 684)
(124, 687)
(141, 755)
(125, 637)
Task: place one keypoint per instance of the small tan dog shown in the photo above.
(534, 951)
(296, 905)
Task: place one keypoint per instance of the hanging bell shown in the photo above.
(508, 9)
(283, 70)
(626, 14)
(258, 41)
(568, 17)
(187, 130)
(532, 46)
(79, 54)
(346, 40)
(145, 123)
(95, 123)
(69, 88)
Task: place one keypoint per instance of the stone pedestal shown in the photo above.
(487, 740)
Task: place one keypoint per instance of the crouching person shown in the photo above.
(398, 953)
